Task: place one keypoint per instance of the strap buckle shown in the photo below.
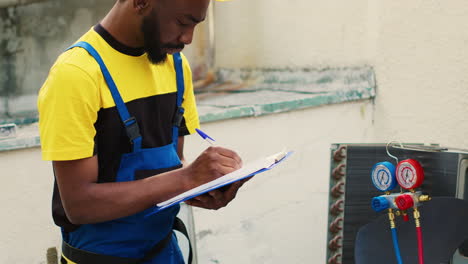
(178, 116)
(132, 129)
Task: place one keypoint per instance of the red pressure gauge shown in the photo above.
(409, 174)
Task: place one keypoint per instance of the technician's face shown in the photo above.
(169, 26)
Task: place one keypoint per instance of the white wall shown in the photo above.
(418, 50)
(421, 65)
(33, 35)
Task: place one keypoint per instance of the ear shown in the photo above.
(141, 5)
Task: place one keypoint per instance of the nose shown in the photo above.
(187, 36)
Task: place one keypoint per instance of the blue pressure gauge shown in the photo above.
(383, 176)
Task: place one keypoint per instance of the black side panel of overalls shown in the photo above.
(141, 174)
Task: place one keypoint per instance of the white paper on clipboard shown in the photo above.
(248, 170)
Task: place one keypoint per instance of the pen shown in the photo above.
(207, 138)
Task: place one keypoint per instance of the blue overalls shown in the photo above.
(129, 239)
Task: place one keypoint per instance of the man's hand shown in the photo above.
(219, 198)
(213, 163)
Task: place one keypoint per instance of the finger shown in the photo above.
(223, 170)
(229, 154)
(209, 203)
(219, 199)
(228, 162)
(220, 163)
(204, 198)
(220, 169)
(216, 194)
(231, 193)
(196, 203)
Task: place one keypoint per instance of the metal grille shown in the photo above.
(351, 189)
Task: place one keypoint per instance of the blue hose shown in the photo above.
(396, 246)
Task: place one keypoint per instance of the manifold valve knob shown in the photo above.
(379, 204)
(404, 202)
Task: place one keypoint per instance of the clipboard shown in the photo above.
(248, 170)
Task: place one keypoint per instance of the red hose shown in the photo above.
(420, 245)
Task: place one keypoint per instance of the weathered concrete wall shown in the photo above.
(31, 38)
(8, 3)
(33, 35)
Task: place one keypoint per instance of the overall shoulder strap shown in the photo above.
(179, 114)
(130, 123)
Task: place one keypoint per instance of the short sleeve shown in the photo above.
(189, 104)
(68, 105)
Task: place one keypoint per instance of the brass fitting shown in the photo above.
(424, 198)
(416, 216)
(391, 217)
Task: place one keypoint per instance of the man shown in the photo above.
(113, 114)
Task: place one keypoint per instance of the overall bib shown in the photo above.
(136, 238)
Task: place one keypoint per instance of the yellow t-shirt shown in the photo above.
(77, 114)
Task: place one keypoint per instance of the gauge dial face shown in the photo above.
(383, 176)
(409, 174)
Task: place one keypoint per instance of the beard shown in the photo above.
(153, 45)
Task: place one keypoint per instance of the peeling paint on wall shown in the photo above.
(31, 38)
(256, 92)
(10, 3)
(33, 35)
(9, 47)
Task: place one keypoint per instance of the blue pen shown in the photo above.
(207, 138)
